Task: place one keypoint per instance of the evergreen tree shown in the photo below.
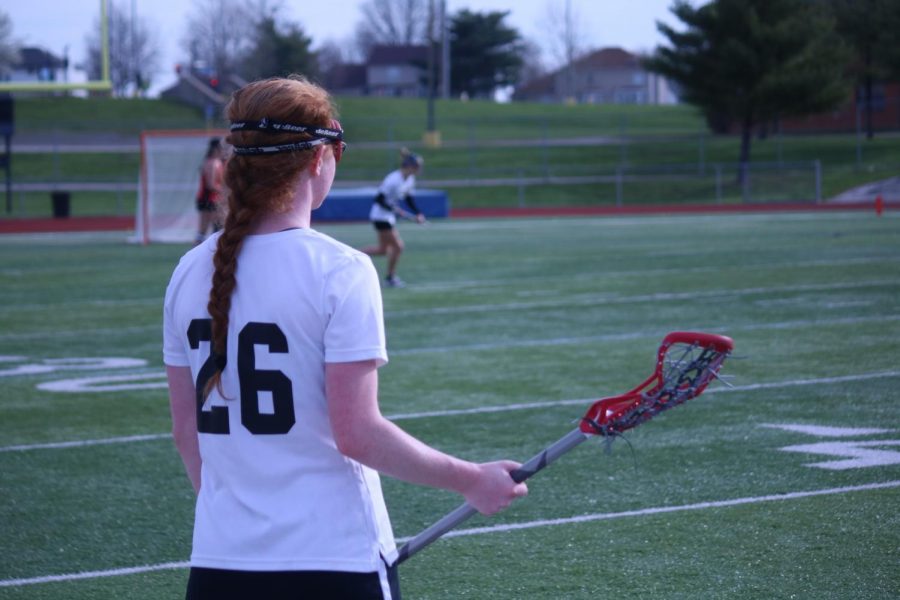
(279, 50)
(751, 62)
(870, 28)
(485, 53)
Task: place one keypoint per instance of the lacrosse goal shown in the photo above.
(169, 178)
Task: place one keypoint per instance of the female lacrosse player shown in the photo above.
(210, 191)
(397, 186)
(273, 335)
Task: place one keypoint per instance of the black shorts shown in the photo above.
(383, 225)
(225, 584)
(204, 205)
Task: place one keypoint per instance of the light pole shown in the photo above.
(432, 137)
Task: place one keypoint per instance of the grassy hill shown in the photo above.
(370, 119)
(663, 153)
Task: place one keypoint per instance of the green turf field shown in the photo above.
(508, 330)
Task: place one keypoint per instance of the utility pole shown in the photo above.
(132, 60)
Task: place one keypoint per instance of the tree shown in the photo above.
(392, 22)
(279, 50)
(532, 61)
(219, 36)
(133, 52)
(565, 37)
(870, 27)
(330, 54)
(753, 61)
(485, 53)
(9, 49)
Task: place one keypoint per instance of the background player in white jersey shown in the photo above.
(273, 333)
(396, 187)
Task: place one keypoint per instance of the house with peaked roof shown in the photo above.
(605, 76)
(346, 79)
(202, 88)
(396, 71)
(37, 64)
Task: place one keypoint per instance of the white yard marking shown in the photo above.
(822, 431)
(854, 455)
(502, 528)
(106, 383)
(482, 409)
(51, 365)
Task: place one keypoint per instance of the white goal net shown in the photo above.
(170, 177)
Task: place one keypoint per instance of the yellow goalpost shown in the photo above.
(101, 85)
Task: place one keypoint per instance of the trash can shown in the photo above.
(60, 204)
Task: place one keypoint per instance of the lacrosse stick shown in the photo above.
(686, 363)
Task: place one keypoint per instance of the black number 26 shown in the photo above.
(252, 381)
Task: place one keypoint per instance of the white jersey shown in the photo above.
(276, 494)
(395, 188)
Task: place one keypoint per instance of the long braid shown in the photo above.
(258, 185)
(237, 224)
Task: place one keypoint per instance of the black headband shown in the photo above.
(277, 127)
(257, 150)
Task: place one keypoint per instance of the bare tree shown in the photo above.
(219, 35)
(133, 51)
(330, 54)
(566, 38)
(532, 61)
(9, 49)
(393, 22)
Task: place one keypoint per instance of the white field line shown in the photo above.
(93, 574)
(503, 528)
(496, 345)
(644, 273)
(592, 300)
(579, 300)
(477, 410)
(669, 509)
(478, 284)
(611, 337)
(84, 383)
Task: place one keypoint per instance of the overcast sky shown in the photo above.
(60, 26)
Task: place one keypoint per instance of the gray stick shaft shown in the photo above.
(464, 511)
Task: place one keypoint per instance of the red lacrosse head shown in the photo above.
(685, 364)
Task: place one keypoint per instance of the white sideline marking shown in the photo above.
(79, 443)
(476, 410)
(670, 509)
(502, 528)
(93, 574)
